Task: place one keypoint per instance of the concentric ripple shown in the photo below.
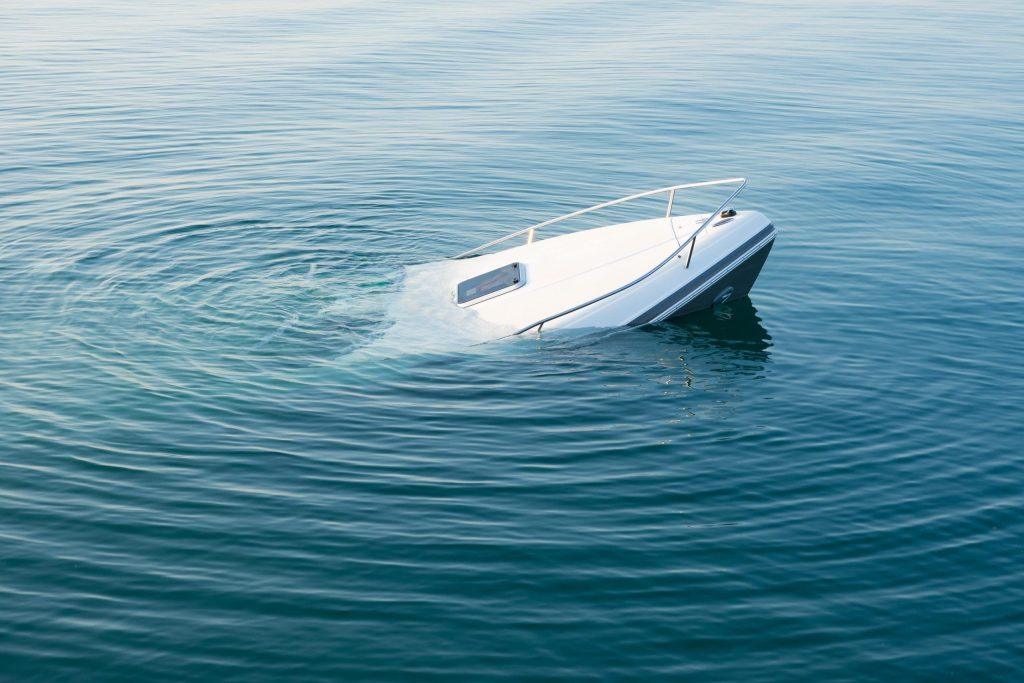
(238, 440)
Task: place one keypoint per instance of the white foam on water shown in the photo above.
(424, 318)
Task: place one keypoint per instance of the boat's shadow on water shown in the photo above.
(724, 343)
(734, 327)
(717, 351)
(731, 330)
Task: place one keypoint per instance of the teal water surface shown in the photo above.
(236, 442)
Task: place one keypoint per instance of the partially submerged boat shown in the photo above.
(624, 274)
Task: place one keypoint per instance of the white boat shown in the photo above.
(625, 274)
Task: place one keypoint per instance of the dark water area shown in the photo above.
(236, 442)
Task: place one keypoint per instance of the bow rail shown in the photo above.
(531, 231)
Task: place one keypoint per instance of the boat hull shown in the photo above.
(730, 280)
(622, 271)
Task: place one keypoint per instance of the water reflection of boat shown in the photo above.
(726, 340)
(734, 326)
(707, 346)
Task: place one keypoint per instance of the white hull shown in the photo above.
(618, 275)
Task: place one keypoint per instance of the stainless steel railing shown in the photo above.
(530, 231)
(671, 190)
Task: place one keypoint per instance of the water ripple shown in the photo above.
(239, 441)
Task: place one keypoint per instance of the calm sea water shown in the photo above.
(236, 443)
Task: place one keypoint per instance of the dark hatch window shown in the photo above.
(489, 283)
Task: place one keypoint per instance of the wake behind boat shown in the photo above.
(625, 274)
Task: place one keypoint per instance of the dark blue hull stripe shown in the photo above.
(692, 286)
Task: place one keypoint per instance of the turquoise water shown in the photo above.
(235, 442)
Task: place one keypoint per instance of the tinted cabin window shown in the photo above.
(488, 283)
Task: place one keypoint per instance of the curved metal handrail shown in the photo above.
(691, 241)
(671, 190)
